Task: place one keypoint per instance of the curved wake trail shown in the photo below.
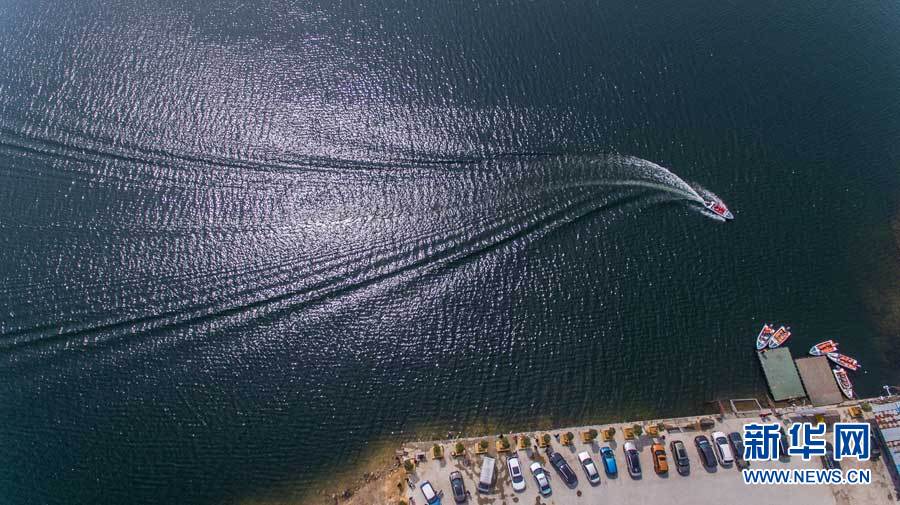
(227, 254)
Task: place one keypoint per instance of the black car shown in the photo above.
(704, 448)
(679, 455)
(458, 487)
(632, 460)
(828, 461)
(563, 469)
(737, 446)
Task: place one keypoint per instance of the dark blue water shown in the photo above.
(240, 243)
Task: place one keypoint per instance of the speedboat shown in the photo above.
(779, 337)
(844, 360)
(840, 375)
(718, 208)
(765, 335)
(823, 348)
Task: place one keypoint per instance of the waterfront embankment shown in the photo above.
(724, 485)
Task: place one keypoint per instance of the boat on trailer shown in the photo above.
(780, 337)
(762, 340)
(843, 380)
(844, 360)
(823, 348)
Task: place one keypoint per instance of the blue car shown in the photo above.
(609, 461)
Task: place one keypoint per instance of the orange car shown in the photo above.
(659, 459)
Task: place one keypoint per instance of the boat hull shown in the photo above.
(844, 360)
(781, 336)
(843, 381)
(823, 348)
(765, 335)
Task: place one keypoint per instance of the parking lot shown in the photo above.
(701, 486)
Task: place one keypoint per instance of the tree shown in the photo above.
(483, 445)
(504, 442)
(459, 448)
(409, 466)
(638, 430)
(592, 433)
(526, 442)
(546, 438)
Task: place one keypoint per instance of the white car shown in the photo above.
(431, 496)
(590, 469)
(540, 476)
(515, 473)
(723, 449)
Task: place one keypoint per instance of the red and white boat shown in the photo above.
(718, 208)
(780, 337)
(843, 380)
(844, 360)
(823, 348)
(762, 340)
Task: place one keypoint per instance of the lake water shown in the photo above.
(241, 241)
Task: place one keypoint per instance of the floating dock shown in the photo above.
(818, 380)
(781, 374)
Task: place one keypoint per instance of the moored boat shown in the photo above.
(844, 360)
(762, 340)
(780, 337)
(823, 348)
(843, 380)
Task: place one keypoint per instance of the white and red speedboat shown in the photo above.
(823, 348)
(718, 208)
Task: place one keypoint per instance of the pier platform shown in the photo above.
(815, 372)
(781, 374)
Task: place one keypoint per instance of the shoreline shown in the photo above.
(390, 487)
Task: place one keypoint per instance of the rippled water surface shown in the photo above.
(241, 242)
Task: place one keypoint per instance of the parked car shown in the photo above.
(679, 454)
(429, 493)
(704, 448)
(723, 450)
(737, 447)
(590, 469)
(783, 444)
(660, 464)
(874, 444)
(609, 461)
(486, 479)
(828, 461)
(632, 460)
(515, 473)
(540, 477)
(458, 487)
(563, 469)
